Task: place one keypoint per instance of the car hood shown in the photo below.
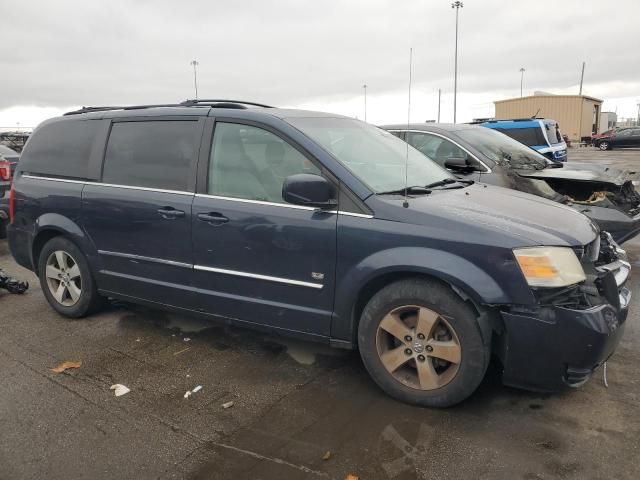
(580, 172)
(498, 215)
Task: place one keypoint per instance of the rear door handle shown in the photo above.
(170, 212)
(213, 218)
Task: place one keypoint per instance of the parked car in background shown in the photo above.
(604, 194)
(301, 223)
(619, 138)
(542, 135)
(8, 161)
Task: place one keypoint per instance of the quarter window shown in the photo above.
(251, 163)
(154, 154)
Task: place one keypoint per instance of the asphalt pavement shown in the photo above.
(299, 410)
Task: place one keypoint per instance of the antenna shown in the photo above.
(406, 160)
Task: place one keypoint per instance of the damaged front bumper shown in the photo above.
(557, 345)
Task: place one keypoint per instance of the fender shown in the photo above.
(481, 287)
(66, 226)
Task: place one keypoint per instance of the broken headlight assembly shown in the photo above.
(549, 267)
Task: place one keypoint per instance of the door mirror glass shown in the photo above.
(460, 164)
(309, 190)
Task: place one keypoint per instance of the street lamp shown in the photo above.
(365, 101)
(521, 80)
(457, 5)
(195, 75)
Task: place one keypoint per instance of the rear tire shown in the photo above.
(435, 356)
(66, 280)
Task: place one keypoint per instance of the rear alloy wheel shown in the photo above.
(63, 278)
(422, 344)
(66, 279)
(603, 145)
(418, 347)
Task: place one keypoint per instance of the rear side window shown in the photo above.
(553, 132)
(529, 136)
(60, 149)
(154, 154)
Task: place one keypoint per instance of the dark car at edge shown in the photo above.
(605, 194)
(301, 223)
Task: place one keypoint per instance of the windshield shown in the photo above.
(373, 155)
(502, 149)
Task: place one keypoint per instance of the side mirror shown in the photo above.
(459, 164)
(309, 190)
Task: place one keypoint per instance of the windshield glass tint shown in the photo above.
(501, 149)
(375, 156)
(553, 132)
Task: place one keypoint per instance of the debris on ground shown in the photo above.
(227, 405)
(11, 284)
(327, 455)
(187, 339)
(351, 476)
(119, 389)
(65, 366)
(188, 393)
(182, 351)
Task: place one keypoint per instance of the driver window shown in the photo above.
(437, 148)
(251, 163)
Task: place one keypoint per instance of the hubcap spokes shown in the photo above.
(418, 347)
(63, 278)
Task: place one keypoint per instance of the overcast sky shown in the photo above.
(61, 54)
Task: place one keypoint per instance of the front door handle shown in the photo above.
(170, 212)
(213, 218)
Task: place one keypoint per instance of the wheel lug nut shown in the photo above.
(421, 336)
(408, 338)
(429, 348)
(421, 358)
(407, 351)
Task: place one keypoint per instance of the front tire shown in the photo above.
(421, 343)
(66, 280)
(604, 146)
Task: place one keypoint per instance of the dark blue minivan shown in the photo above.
(318, 226)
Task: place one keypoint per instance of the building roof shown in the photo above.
(550, 96)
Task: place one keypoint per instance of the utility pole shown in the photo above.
(195, 75)
(521, 80)
(457, 5)
(581, 78)
(439, 96)
(364, 87)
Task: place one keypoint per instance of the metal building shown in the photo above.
(577, 115)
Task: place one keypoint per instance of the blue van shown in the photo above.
(302, 223)
(541, 134)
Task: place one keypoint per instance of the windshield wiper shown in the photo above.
(442, 183)
(411, 189)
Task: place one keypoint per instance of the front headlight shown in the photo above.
(549, 266)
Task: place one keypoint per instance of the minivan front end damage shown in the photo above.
(571, 331)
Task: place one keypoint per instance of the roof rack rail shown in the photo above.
(218, 103)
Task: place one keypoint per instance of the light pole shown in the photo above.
(364, 87)
(521, 80)
(457, 5)
(195, 75)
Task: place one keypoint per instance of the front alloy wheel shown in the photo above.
(603, 146)
(418, 347)
(63, 278)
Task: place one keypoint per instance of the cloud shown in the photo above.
(311, 53)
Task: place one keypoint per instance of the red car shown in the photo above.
(618, 138)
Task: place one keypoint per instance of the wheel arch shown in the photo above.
(480, 291)
(52, 225)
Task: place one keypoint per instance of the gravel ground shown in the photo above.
(293, 403)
